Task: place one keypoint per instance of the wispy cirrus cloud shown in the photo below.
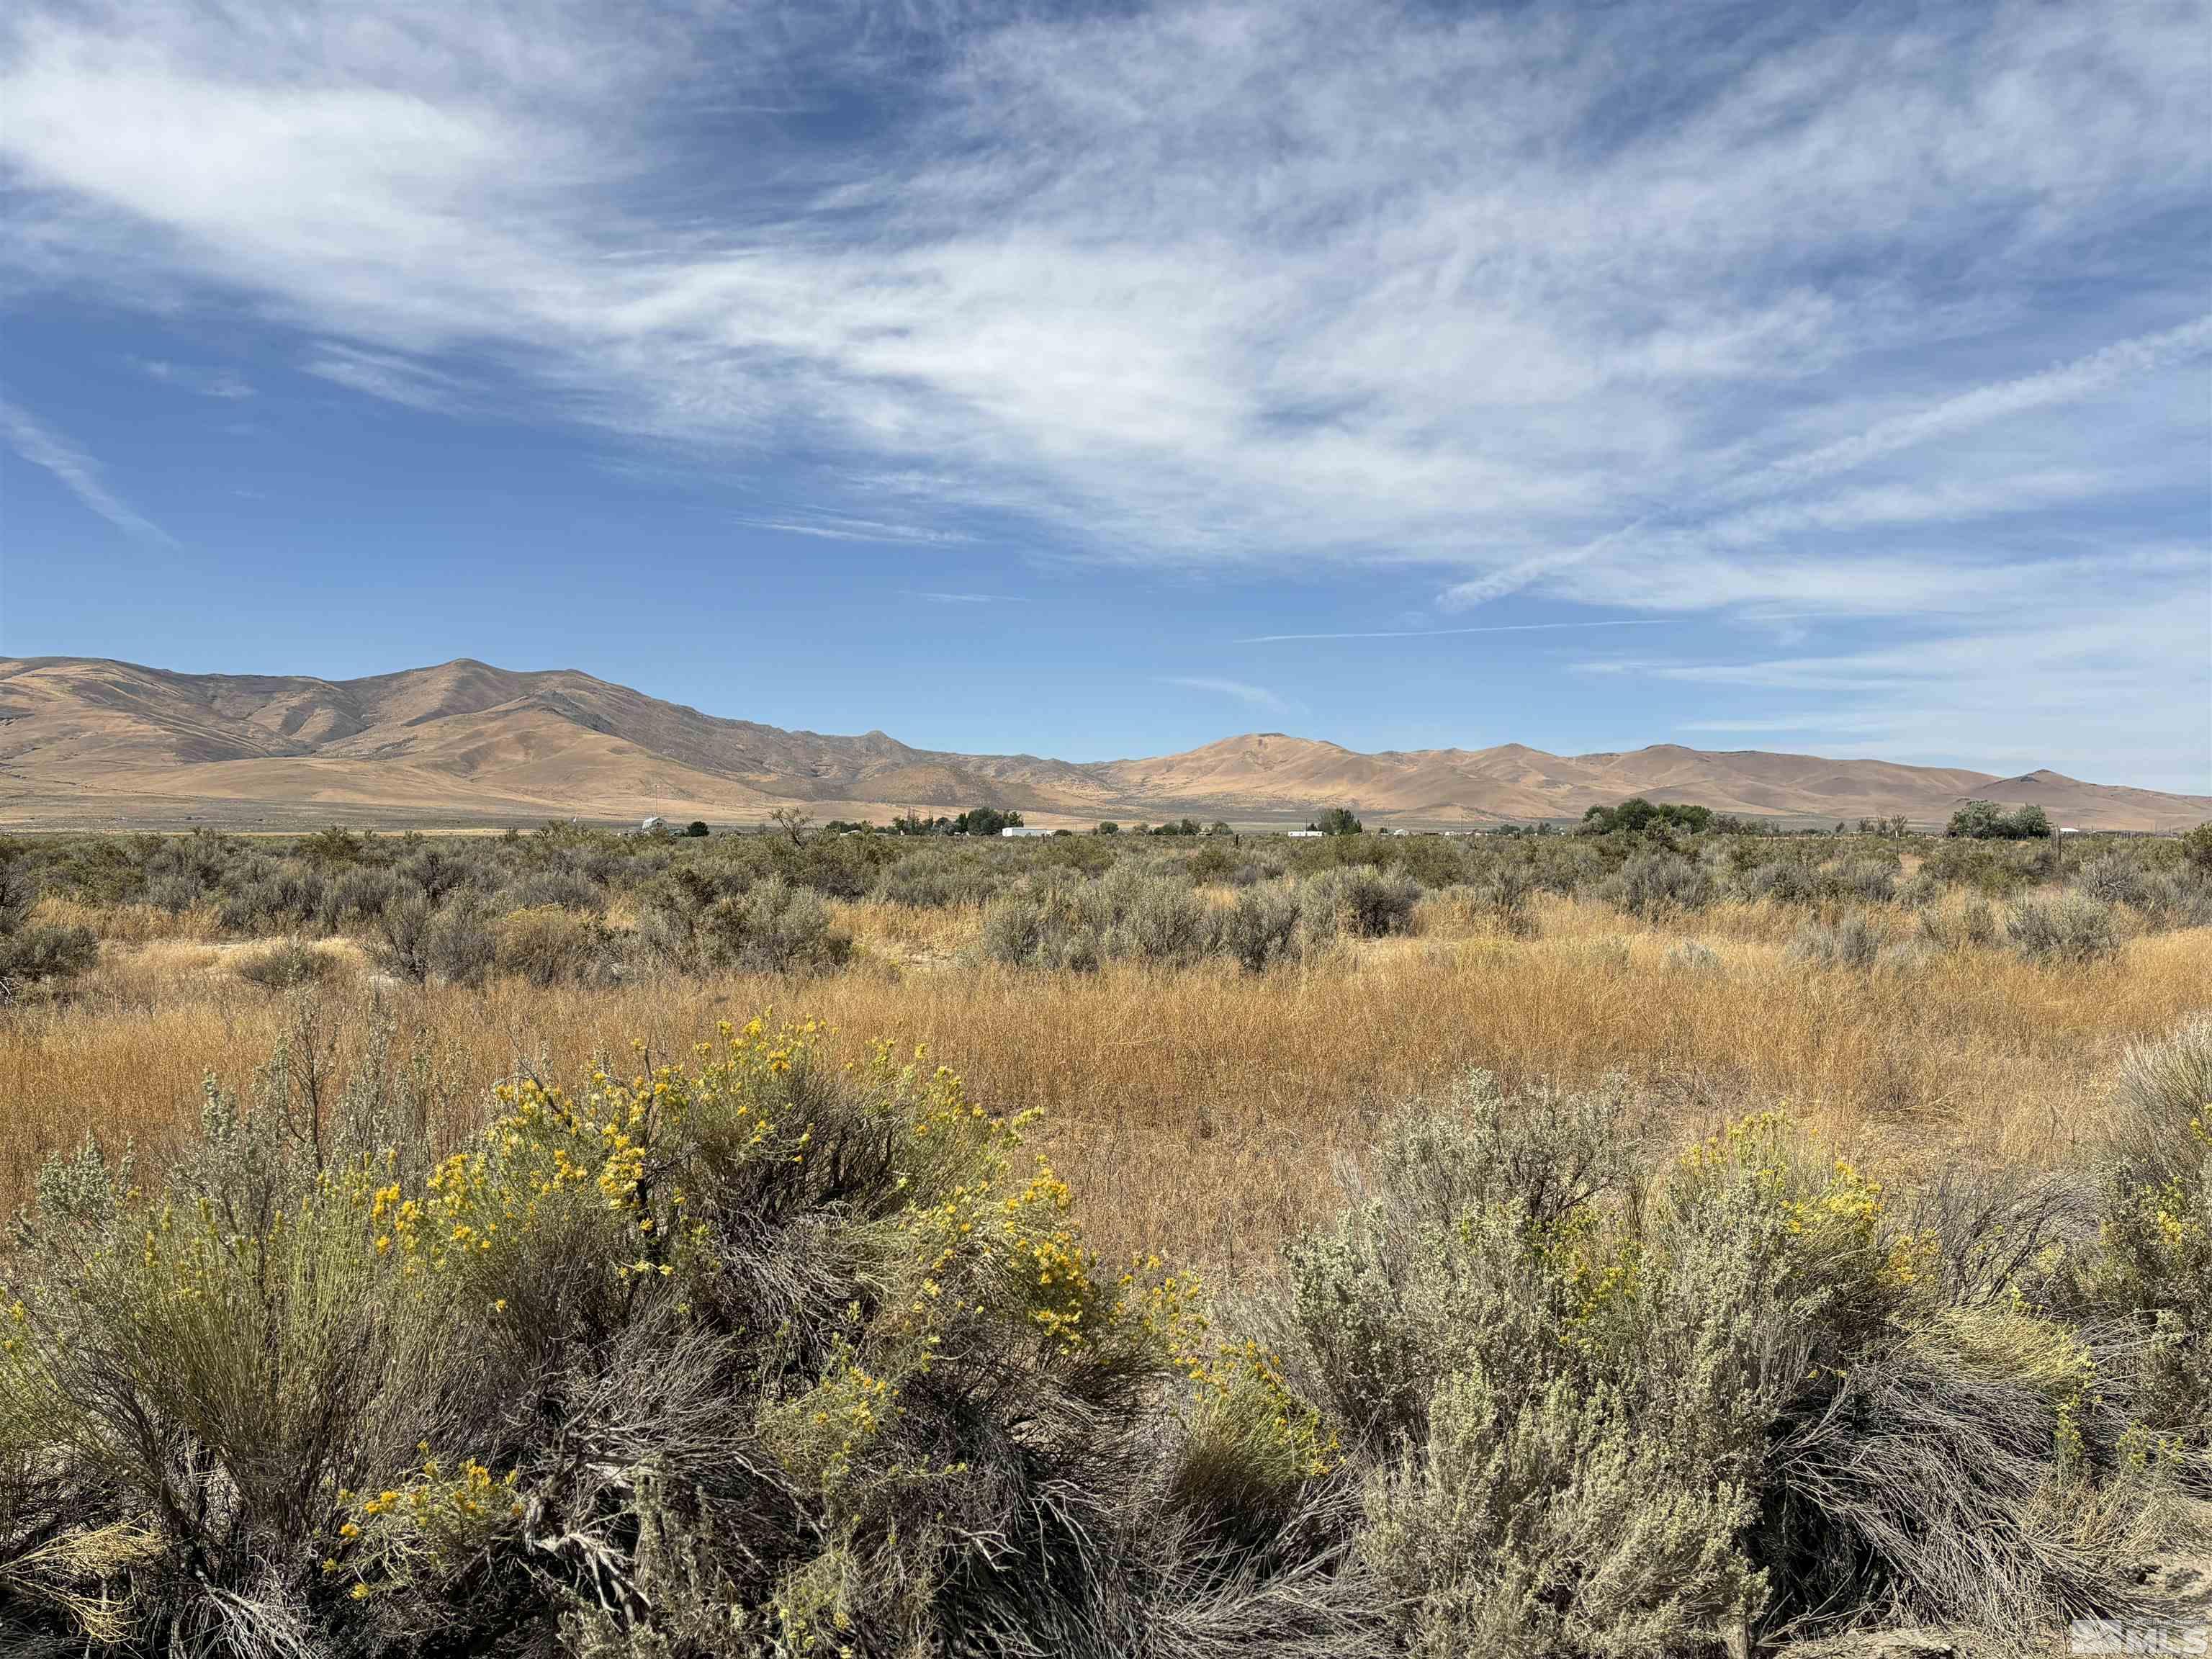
(1445, 633)
(1254, 696)
(394, 378)
(1876, 317)
(79, 473)
(929, 598)
(222, 383)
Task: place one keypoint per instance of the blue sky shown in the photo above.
(1100, 381)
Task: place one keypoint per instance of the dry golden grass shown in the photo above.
(1198, 1112)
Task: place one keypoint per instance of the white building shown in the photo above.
(656, 821)
(1022, 831)
(1305, 835)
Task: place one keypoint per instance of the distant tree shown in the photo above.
(1636, 814)
(1985, 820)
(2196, 846)
(697, 828)
(1219, 827)
(794, 821)
(1337, 821)
(1108, 827)
(985, 821)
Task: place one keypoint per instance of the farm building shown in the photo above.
(1022, 831)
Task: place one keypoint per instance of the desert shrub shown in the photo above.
(1688, 955)
(276, 898)
(402, 941)
(934, 880)
(286, 966)
(1216, 862)
(1055, 924)
(552, 946)
(1869, 880)
(2197, 848)
(1506, 890)
(2113, 878)
(1786, 881)
(2179, 898)
(1976, 924)
(758, 1356)
(2157, 1227)
(697, 925)
(1851, 942)
(1354, 902)
(173, 893)
(1263, 928)
(1994, 868)
(836, 866)
(458, 943)
(563, 889)
(1605, 1408)
(1920, 891)
(2071, 927)
(441, 872)
(1656, 884)
(1158, 920)
(1513, 1505)
(35, 952)
(355, 898)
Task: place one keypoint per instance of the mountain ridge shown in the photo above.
(97, 742)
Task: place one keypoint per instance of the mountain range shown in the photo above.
(86, 742)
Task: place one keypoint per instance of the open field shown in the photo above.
(1749, 1238)
(1197, 1110)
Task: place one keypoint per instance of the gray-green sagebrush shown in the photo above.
(1545, 1389)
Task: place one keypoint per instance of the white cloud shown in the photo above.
(222, 383)
(78, 472)
(1257, 696)
(1437, 633)
(381, 374)
(1883, 317)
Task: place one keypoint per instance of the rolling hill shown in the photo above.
(88, 742)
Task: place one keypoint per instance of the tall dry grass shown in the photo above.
(1199, 1111)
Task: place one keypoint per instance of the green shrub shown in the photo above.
(35, 953)
(1656, 884)
(550, 945)
(1054, 925)
(1786, 881)
(286, 966)
(2114, 879)
(2158, 1225)
(1158, 920)
(758, 1357)
(1263, 928)
(2072, 928)
(696, 922)
(1357, 902)
(1983, 820)
(1852, 942)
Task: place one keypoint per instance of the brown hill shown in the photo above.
(92, 742)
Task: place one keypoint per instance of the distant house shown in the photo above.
(1022, 831)
(1305, 835)
(656, 821)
